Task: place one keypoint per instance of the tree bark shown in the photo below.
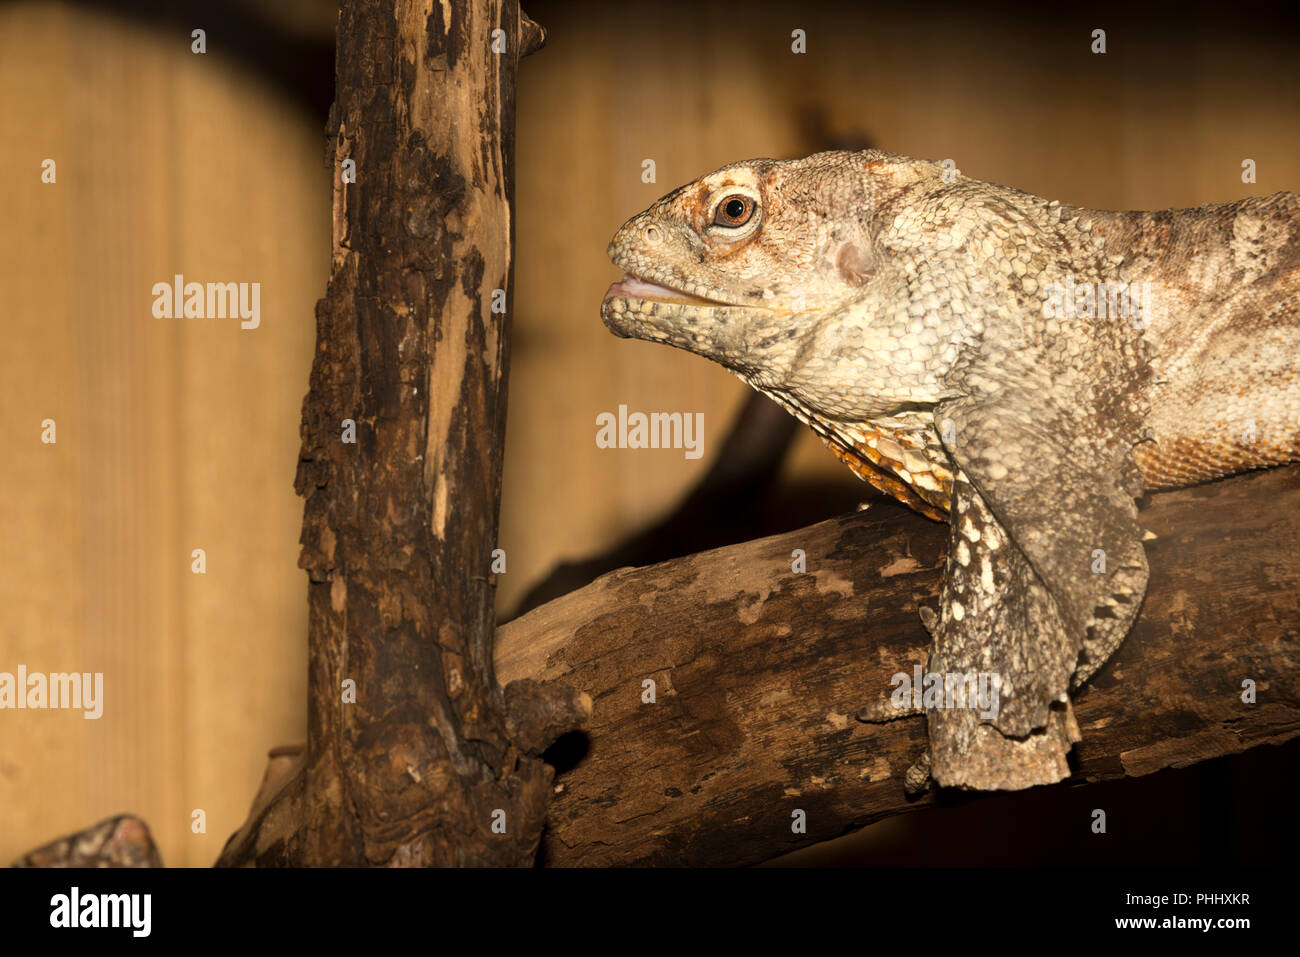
(414, 755)
(759, 672)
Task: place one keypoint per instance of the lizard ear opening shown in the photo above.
(855, 264)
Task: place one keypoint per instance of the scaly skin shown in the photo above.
(901, 313)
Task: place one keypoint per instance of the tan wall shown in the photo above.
(174, 435)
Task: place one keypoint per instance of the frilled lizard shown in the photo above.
(1019, 368)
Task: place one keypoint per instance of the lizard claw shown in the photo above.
(917, 779)
(884, 711)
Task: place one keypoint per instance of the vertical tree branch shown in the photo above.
(429, 766)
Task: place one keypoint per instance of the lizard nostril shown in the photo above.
(653, 235)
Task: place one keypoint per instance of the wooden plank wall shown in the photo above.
(172, 434)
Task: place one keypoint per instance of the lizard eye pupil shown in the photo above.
(734, 211)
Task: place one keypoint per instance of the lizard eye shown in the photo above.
(734, 210)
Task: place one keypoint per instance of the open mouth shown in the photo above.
(634, 287)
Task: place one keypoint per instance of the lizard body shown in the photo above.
(967, 348)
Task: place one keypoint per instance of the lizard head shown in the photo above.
(740, 265)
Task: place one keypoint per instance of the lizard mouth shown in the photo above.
(634, 287)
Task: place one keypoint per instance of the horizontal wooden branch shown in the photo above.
(759, 671)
